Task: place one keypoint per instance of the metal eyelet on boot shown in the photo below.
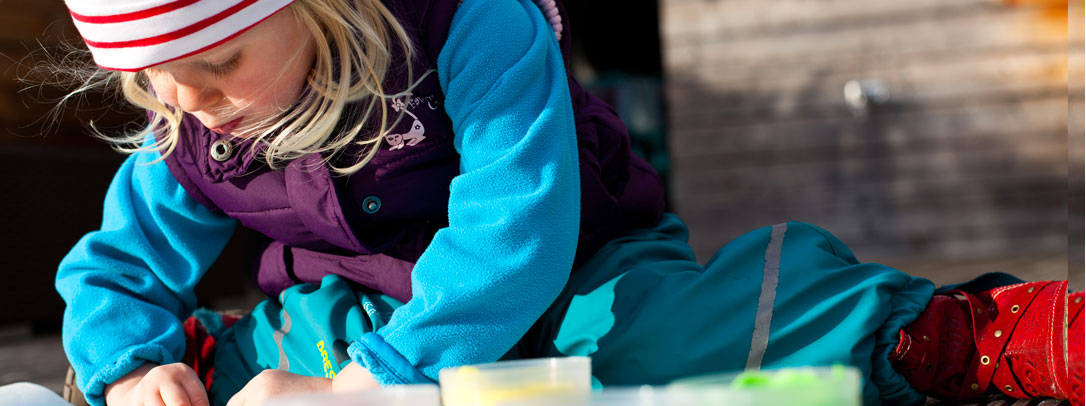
(1044, 344)
(222, 150)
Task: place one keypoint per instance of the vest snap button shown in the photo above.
(371, 204)
(221, 150)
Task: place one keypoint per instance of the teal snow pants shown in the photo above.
(645, 311)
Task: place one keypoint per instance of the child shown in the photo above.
(438, 191)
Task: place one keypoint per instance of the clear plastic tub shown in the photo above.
(718, 390)
(399, 395)
(625, 396)
(649, 396)
(555, 380)
(809, 386)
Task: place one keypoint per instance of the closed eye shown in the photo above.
(223, 69)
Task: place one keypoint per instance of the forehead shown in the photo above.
(264, 30)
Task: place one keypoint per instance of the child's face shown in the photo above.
(237, 84)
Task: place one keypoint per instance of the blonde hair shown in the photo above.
(349, 71)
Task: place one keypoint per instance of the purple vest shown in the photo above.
(371, 226)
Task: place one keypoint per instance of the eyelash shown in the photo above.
(224, 69)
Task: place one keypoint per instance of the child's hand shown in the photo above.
(353, 378)
(158, 385)
(272, 382)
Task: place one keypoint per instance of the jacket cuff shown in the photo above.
(387, 365)
(94, 387)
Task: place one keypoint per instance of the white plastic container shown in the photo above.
(649, 396)
(808, 386)
(558, 381)
(399, 395)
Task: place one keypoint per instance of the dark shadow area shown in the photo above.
(616, 57)
(56, 174)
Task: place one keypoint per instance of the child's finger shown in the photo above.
(150, 396)
(173, 394)
(195, 389)
(238, 399)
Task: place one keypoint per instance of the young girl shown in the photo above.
(438, 191)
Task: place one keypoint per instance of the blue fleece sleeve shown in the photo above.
(514, 210)
(128, 284)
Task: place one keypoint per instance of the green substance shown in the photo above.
(838, 372)
(836, 385)
(787, 379)
(752, 380)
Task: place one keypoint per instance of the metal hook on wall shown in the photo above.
(864, 94)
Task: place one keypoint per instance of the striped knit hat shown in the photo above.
(130, 35)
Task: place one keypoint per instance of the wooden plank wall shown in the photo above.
(968, 159)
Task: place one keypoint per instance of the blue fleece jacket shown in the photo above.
(513, 210)
(128, 284)
(482, 282)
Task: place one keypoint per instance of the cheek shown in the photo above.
(269, 90)
(164, 89)
(292, 78)
(288, 87)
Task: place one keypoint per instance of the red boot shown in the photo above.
(1076, 328)
(200, 346)
(1013, 338)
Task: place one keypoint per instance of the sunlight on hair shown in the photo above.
(344, 91)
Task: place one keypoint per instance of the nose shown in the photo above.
(193, 97)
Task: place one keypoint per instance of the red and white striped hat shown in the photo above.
(130, 35)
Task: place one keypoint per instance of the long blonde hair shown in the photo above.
(349, 70)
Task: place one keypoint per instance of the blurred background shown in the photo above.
(942, 137)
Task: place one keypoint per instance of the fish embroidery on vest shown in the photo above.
(417, 132)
